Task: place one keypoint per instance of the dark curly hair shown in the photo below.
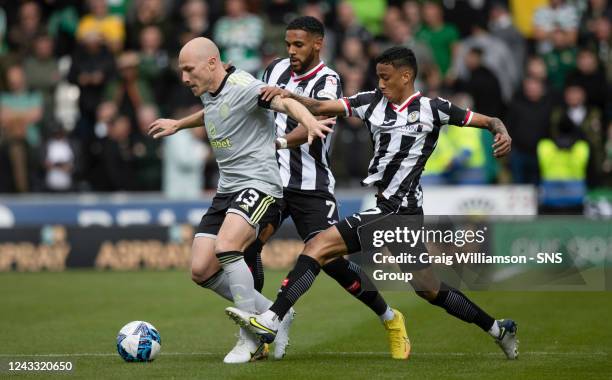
(308, 24)
(399, 56)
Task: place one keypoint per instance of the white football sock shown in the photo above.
(494, 331)
(387, 315)
(241, 284)
(221, 287)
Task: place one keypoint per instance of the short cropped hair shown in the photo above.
(308, 24)
(399, 56)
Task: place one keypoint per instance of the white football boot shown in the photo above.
(281, 342)
(249, 348)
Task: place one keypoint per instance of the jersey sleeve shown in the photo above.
(327, 87)
(444, 112)
(248, 93)
(357, 104)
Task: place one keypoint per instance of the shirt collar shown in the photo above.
(307, 75)
(403, 106)
(230, 71)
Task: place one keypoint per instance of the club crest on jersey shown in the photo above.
(414, 116)
(298, 91)
(212, 129)
(224, 110)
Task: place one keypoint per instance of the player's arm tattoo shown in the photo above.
(502, 141)
(496, 126)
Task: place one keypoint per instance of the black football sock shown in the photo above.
(252, 256)
(297, 283)
(458, 305)
(348, 275)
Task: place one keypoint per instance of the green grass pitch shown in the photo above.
(77, 314)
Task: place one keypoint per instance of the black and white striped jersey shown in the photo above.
(404, 137)
(305, 167)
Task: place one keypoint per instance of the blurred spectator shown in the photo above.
(129, 91)
(468, 166)
(437, 167)
(607, 165)
(319, 10)
(558, 18)
(22, 35)
(239, 36)
(433, 84)
(92, 67)
(42, 72)
(392, 16)
(591, 77)
(114, 166)
(278, 13)
(596, 9)
(563, 168)
(352, 56)
(89, 162)
(354, 81)
(560, 60)
(59, 160)
(496, 56)
(463, 14)
(401, 35)
(153, 58)
(412, 12)
(21, 110)
(441, 38)
(120, 8)
(149, 13)
(3, 25)
(576, 115)
(62, 25)
(536, 68)
(528, 122)
(147, 152)
(18, 162)
(601, 43)
(154, 65)
(370, 14)
(110, 27)
(185, 155)
(348, 27)
(481, 84)
(501, 26)
(194, 23)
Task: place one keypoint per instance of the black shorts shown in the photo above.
(256, 207)
(312, 211)
(349, 226)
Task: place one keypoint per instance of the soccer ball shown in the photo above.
(138, 341)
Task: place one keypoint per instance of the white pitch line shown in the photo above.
(339, 353)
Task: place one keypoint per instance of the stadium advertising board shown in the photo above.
(57, 247)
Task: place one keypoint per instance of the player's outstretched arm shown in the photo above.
(315, 107)
(298, 112)
(166, 127)
(502, 140)
(299, 135)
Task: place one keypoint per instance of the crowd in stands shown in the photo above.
(80, 81)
